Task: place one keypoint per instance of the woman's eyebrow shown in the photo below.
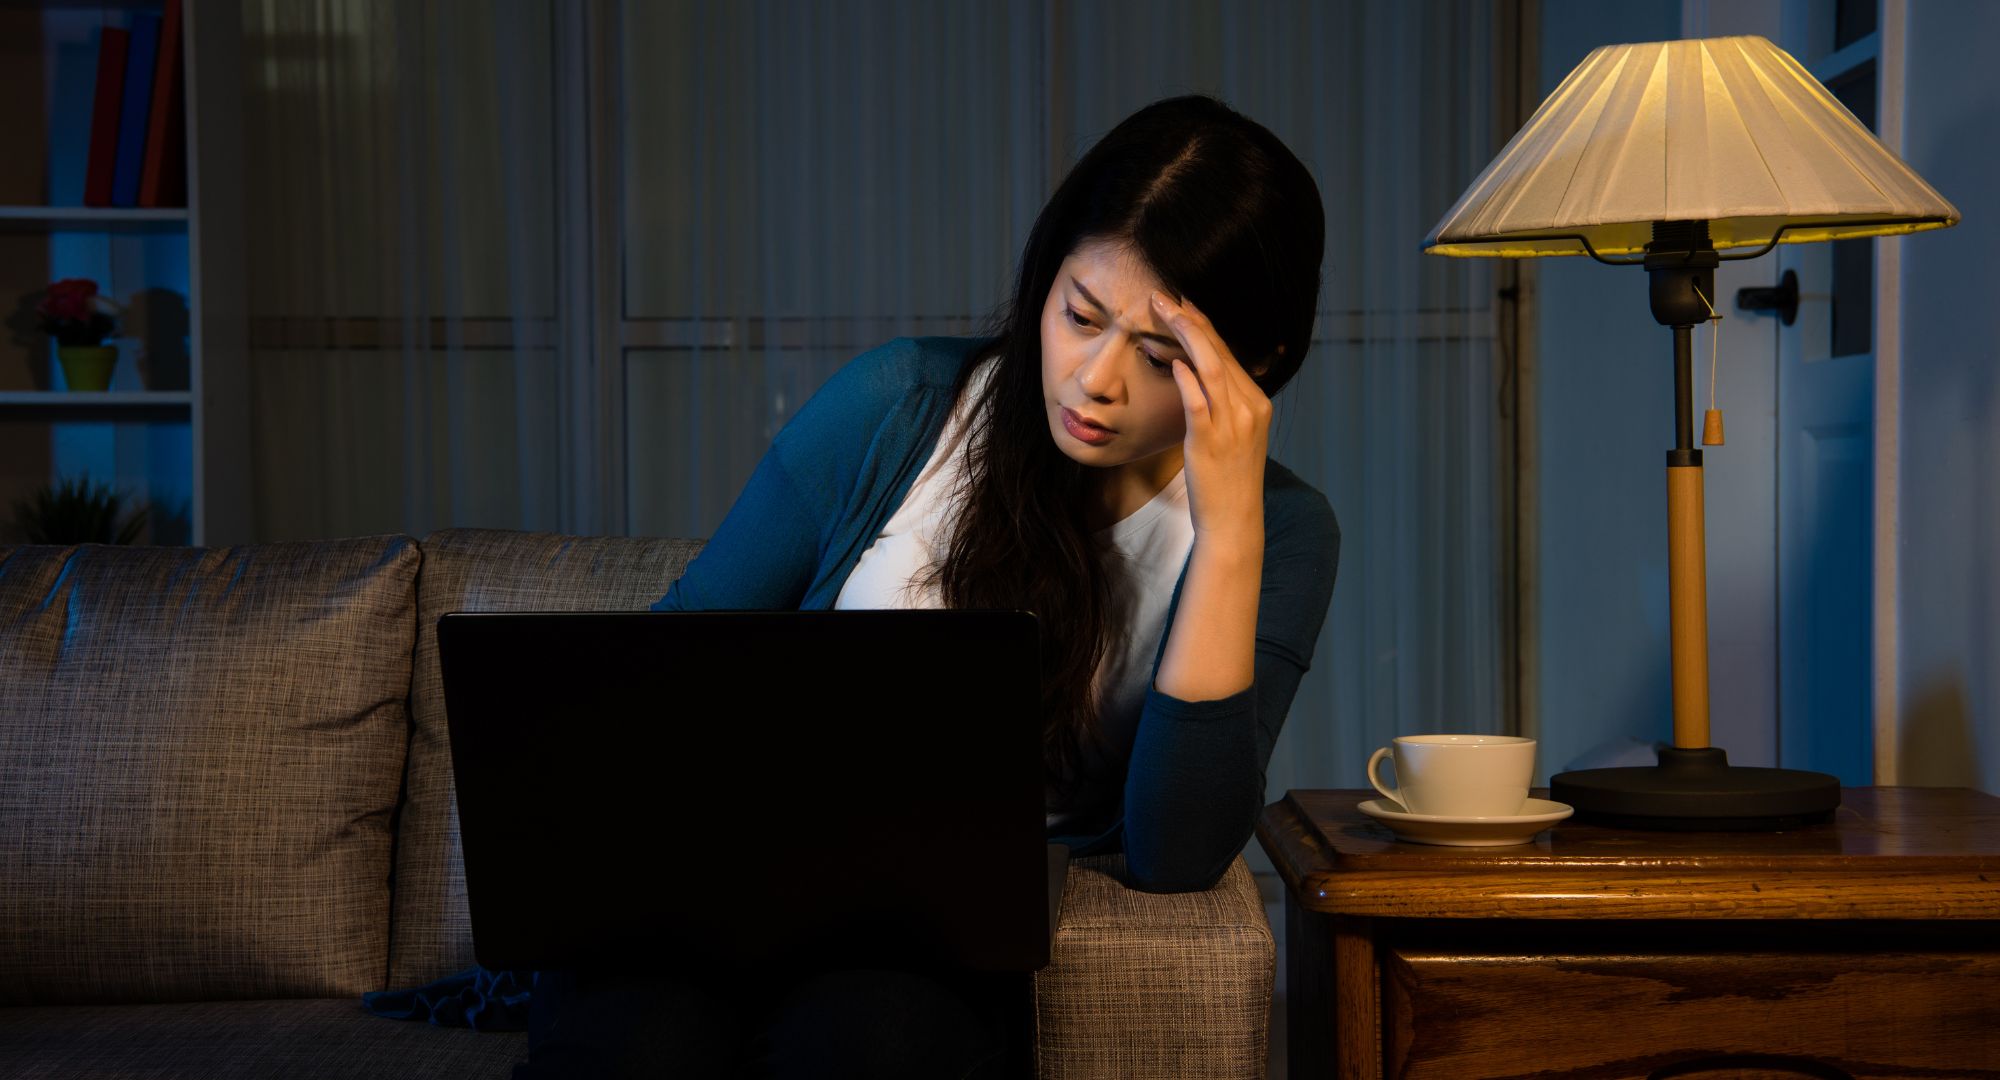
(1164, 339)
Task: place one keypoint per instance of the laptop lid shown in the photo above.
(750, 787)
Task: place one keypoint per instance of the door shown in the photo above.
(1825, 442)
(1790, 495)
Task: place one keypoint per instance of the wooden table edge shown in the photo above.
(1618, 887)
(1297, 851)
(1703, 896)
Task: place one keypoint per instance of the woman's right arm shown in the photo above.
(840, 459)
(763, 555)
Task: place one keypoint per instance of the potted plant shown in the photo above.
(77, 512)
(79, 319)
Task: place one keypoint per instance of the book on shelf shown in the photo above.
(163, 178)
(138, 126)
(111, 47)
(136, 110)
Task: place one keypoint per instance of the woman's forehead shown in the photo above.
(1103, 266)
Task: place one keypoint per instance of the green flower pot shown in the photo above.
(87, 367)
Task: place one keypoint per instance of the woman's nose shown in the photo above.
(1098, 374)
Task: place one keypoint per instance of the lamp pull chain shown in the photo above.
(1711, 421)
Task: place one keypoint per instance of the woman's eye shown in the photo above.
(1164, 367)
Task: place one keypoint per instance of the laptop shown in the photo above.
(751, 788)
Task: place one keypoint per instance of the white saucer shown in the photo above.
(1535, 815)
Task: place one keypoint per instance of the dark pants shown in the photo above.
(826, 1024)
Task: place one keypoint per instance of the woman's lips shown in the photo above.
(1084, 432)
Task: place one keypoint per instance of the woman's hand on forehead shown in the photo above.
(1228, 428)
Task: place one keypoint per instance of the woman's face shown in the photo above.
(1107, 373)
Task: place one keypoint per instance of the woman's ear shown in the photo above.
(1263, 366)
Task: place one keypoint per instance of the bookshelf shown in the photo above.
(172, 430)
(92, 218)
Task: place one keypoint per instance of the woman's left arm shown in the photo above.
(1211, 653)
(1195, 780)
(1238, 640)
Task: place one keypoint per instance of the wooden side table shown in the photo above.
(1868, 946)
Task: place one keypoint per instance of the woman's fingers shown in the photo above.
(1210, 358)
(1197, 340)
(1228, 419)
(1194, 398)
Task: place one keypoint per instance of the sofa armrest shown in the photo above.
(1155, 984)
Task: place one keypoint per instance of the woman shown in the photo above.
(1099, 458)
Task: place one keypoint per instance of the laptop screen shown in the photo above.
(750, 787)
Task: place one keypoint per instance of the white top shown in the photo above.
(1145, 554)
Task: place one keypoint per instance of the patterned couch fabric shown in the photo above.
(489, 570)
(1155, 984)
(202, 751)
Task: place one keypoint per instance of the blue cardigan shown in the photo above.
(1194, 780)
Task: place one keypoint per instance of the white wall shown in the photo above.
(1605, 400)
(1949, 611)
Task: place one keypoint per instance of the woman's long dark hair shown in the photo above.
(1225, 216)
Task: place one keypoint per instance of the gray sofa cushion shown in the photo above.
(1155, 984)
(199, 759)
(489, 570)
(299, 1039)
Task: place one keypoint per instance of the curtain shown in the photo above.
(772, 188)
(402, 270)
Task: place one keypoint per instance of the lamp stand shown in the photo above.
(1693, 786)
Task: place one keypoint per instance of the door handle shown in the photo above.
(1782, 298)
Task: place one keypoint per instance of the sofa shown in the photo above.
(226, 813)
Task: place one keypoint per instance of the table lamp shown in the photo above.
(1674, 156)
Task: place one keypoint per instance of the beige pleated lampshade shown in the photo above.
(1728, 130)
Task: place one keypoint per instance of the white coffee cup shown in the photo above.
(1458, 775)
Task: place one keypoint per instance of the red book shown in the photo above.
(163, 180)
(104, 116)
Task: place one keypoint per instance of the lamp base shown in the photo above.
(1698, 790)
